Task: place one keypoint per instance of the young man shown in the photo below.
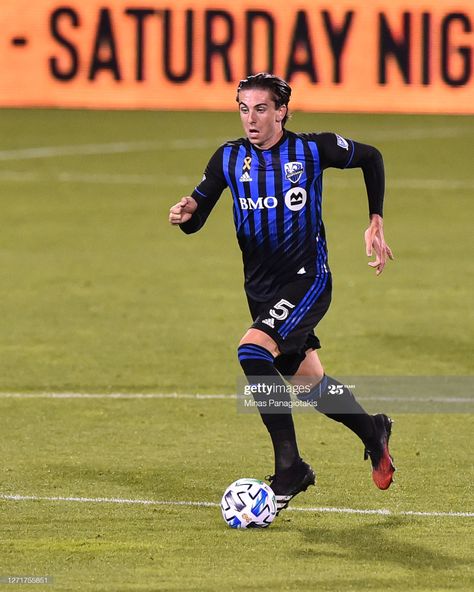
(275, 177)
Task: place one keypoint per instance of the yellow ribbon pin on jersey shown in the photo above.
(247, 163)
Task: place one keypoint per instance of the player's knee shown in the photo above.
(261, 339)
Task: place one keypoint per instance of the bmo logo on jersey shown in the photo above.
(260, 203)
(295, 198)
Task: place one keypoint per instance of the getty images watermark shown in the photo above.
(264, 394)
(277, 397)
(390, 394)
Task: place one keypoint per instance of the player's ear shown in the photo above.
(281, 113)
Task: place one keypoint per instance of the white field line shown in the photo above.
(142, 502)
(427, 399)
(114, 396)
(421, 184)
(107, 148)
(200, 396)
(97, 178)
(155, 180)
(402, 134)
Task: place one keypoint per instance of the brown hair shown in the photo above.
(278, 88)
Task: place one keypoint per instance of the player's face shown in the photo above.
(260, 117)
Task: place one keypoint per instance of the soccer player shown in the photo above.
(275, 178)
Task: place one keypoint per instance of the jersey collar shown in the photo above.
(275, 147)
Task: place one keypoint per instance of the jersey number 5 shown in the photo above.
(281, 309)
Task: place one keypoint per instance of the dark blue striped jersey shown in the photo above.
(277, 202)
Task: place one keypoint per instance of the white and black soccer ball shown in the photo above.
(248, 503)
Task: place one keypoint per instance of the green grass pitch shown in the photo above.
(99, 295)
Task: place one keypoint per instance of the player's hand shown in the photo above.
(183, 210)
(374, 241)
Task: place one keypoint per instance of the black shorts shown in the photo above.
(292, 314)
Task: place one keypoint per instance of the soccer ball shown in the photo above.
(248, 503)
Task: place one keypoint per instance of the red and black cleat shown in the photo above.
(382, 463)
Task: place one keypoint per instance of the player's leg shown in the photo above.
(327, 394)
(257, 352)
(276, 319)
(334, 399)
(337, 402)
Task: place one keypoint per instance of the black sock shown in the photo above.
(285, 448)
(257, 364)
(337, 402)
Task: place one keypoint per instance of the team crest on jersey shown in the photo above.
(245, 177)
(342, 142)
(293, 171)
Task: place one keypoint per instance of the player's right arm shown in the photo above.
(192, 211)
(183, 210)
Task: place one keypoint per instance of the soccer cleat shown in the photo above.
(382, 463)
(285, 492)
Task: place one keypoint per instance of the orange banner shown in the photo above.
(385, 56)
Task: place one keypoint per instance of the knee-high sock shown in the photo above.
(337, 402)
(258, 366)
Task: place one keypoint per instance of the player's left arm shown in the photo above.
(375, 241)
(343, 153)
